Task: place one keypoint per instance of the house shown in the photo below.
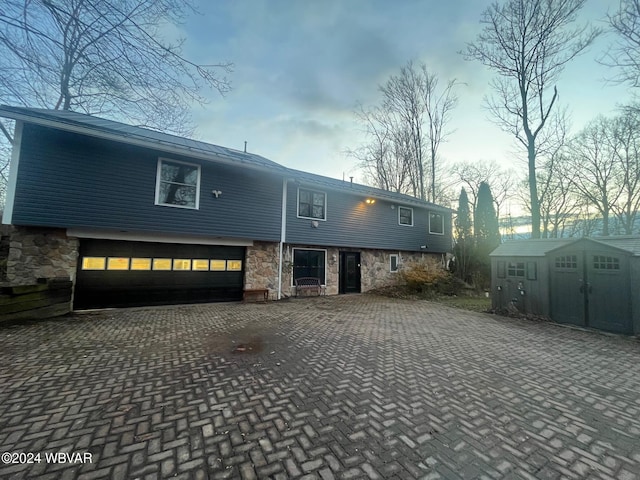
(137, 217)
(587, 282)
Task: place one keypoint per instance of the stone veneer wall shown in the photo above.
(374, 270)
(261, 267)
(375, 267)
(40, 253)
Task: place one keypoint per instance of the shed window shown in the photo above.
(502, 269)
(515, 269)
(567, 261)
(603, 262)
(312, 204)
(177, 184)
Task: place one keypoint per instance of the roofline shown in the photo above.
(599, 242)
(367, 191)
(38, 118)
(131, 140)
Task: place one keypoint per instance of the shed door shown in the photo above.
(609, 302)
(591, 289)
(567, 289)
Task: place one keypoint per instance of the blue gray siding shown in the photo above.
(69, 180)
(353, 223)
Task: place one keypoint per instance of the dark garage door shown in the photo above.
(115, 273)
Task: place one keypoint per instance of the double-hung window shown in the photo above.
(405, 216)
(436, 223)
(178, 184)
(312, 204)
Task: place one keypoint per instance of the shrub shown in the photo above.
(428, 276)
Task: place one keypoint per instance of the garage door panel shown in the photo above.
(135, 277)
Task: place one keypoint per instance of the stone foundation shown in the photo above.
(374, 267)
(376, 271)
(40, 253)
(261, 267)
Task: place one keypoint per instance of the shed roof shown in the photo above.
(530, 247)
(630, 243)
(122, 132)
(540, 247)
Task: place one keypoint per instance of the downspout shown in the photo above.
(283, 232)
(7, 217)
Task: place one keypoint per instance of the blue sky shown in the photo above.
(301, 68)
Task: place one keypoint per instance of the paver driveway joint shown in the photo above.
(340, 387)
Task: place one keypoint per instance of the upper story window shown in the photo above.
(405, 216)
(436, 223)
(178, 184)
(312, 204)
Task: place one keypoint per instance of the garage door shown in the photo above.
(121, 274)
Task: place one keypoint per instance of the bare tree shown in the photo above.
(438, 105)
(593, 164)
(624, 141)
(528, 43)
(107, 57)
(382, 159)
(415, 113)
(470, 175)
(625, 53)
(558, 203)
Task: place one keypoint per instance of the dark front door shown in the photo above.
(349, 272)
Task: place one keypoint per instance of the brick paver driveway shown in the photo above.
(333, 387)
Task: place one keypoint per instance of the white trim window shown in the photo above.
(178, 184)
(436, 223)
(394, 262)
(405, 216)
(312, 204)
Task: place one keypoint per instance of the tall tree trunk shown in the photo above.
(533, 190)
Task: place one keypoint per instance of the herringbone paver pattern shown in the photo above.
(331, 387)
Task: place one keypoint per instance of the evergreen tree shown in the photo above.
(463, 250)
(487, 231)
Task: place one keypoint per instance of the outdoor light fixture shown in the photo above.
(370, 201)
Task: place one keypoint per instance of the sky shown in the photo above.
(302, 67)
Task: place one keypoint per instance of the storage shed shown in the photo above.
(586, 282)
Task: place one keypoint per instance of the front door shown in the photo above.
(349, 272)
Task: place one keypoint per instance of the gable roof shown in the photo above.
(121, 132)
(529, 248)
(540, 247)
